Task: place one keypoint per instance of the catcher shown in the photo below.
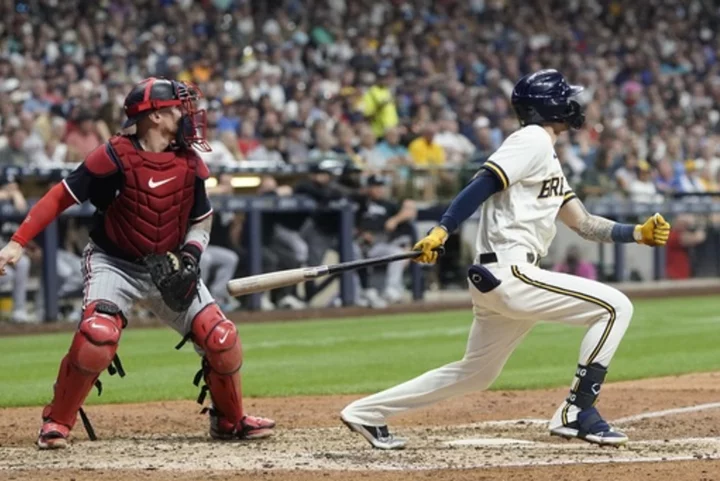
(153, 223)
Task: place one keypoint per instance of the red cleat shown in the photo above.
(53, 436)
(249, 427)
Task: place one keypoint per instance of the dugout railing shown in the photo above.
(253, 207)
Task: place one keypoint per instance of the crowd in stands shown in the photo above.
(393, 86)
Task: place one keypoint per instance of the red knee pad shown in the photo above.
(96, 341)
(218, 337)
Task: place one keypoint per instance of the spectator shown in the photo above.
(574, 264)
(709, 183)
(665, 178)
(628, 173)
(347, 141)
(324, 149)
(709, 158)
(424, 151)
(379, 104)
(247, 142)
(14, 152)
(296, 143)
(368, 152)
(688, 178)
(390, 153)
(271, 87)
(685, 234)
(597, 181)
(385, 229)
(83, 139)
(457, 147)
(642, 189)
(40, 101)
(269, 150)
(224, 148)
(483, 138)
(56, 150)
(34, 144)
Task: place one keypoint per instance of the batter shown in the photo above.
(523, 191)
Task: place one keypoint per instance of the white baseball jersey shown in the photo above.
(534, 188)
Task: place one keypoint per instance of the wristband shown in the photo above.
(623, 233)
(193, 250)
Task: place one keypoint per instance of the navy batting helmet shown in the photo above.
(544, 96)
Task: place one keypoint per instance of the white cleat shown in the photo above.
(378, 436)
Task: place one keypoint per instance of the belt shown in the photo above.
(491, 258)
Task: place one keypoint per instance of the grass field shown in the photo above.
(357, 355)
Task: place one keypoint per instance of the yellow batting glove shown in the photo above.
(429, 245)
(654, 232)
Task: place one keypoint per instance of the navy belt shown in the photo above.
(491, 258)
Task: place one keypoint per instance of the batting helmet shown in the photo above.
(544, 96)
(158, 93)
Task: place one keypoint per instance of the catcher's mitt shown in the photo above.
(176, 277)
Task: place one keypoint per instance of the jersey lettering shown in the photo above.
(552, 187)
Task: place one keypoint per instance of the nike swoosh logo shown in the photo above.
(222, 339)
(152, 184)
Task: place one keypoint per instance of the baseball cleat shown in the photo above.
(53, 436)
(248, 428)
(591, 427)
(378, 436)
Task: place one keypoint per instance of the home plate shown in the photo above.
(487, 442)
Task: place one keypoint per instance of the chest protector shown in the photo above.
(152, 210)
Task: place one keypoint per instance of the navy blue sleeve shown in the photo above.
(201, 207)
(469, 199)
(96, 176)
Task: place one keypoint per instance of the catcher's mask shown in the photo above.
(155, 93)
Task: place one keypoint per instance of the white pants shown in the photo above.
(502, 318)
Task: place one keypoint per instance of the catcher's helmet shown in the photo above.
(158, 93)
(544, 96)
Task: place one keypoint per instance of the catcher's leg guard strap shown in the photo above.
(588, 388)
(218, 338)
(92, 350)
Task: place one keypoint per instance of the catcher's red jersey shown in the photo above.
(145, 200)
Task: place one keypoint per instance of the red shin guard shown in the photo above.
(91, 352)
(218, 338)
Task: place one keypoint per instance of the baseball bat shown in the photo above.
(273, 280)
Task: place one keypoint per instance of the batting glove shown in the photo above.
(430, 245)
(654, 232)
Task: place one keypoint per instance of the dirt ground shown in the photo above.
(674, 425)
